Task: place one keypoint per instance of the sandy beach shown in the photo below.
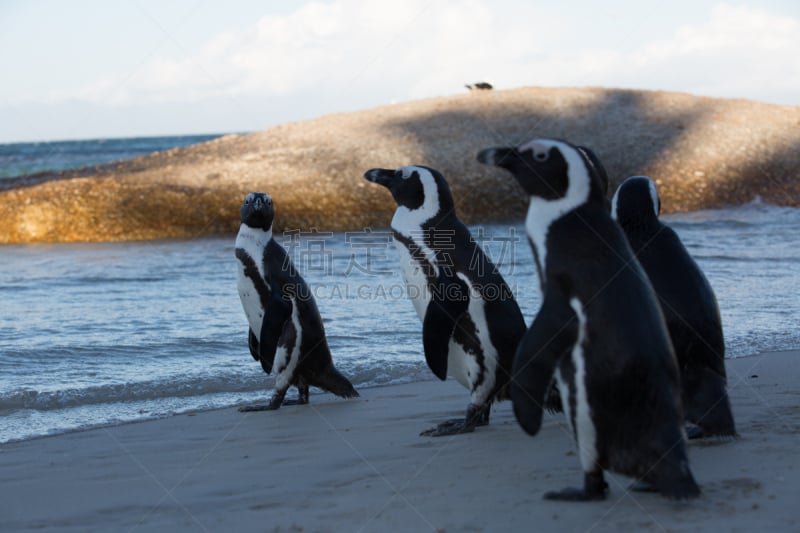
(360, 465)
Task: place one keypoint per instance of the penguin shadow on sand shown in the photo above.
(599, 331)
(285, 328)
(471, 323)
(689, 306)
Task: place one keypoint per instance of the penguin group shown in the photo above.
(627, 342)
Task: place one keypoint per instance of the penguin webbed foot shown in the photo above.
(707, 406)
(572, 494)
(672, 479)
(477, 415)
(274, 404)
(259, 407)
(646, 486)
(642, 486)
(295, 401)
(697, 432)
(302, 397)
(594, 488)
(694, 432)
(455, 426)
(278, 399)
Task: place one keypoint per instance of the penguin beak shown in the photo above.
(381, 176)
(498, 157)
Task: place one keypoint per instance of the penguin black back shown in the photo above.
(471, 323)
(688, 302)
(599, 330)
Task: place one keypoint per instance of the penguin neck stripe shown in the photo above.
(405, 220)
(629, 184)
(614, 201)
(542, 213)
(653, 195)
(258, 236)
(253, 241)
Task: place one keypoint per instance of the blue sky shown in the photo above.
(91, 69)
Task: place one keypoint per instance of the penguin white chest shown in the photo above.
(462, 364)
(252, 242)
(415, 279)
(251, 301)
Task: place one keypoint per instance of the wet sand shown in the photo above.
(360, 465)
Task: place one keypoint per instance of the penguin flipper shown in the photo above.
(276, 314)
(449, 300)
(552, 334)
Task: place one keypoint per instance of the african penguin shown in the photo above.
(286, 331)
(599, 330)
(688, 303)
(471, 323)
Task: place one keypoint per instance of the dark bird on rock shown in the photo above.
(480, 86)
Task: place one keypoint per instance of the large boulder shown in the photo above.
(702, 152)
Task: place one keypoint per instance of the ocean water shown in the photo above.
(97, 334)
(19, 159)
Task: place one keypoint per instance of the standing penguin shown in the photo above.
(286, 331)
(471, 323)
(688, 303)
(599, 329)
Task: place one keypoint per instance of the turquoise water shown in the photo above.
(94, 334)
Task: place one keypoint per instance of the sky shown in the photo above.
(89, 69)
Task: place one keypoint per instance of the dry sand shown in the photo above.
(359, 465)
(703, 152)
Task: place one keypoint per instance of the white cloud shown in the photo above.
(366, 52)
(737, 52)
(732, 28)
(406, 49)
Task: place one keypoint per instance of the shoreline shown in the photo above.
(360, 465)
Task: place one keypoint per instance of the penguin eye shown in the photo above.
(541, 156)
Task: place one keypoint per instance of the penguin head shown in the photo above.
(636, 201)
(257, 211)
(420, 190)
(552, 169)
